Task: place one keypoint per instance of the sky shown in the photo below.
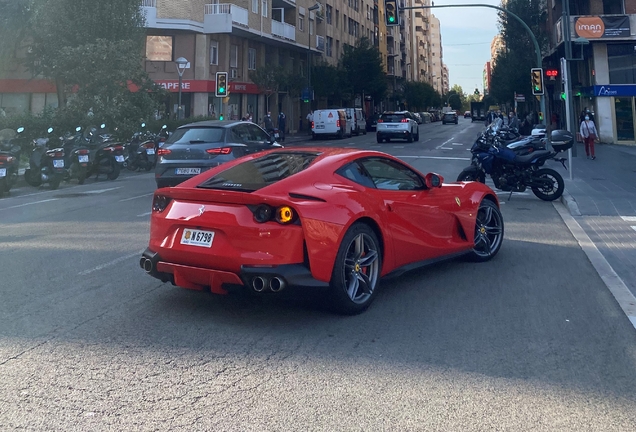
(466, 36)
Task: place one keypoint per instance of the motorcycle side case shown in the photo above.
(561, 140)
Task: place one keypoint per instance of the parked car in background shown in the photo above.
(467, 114)
(372, 122)
(331, 122)
(196, 147)
(400, 125)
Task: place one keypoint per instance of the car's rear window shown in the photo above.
(255, 174)
(392, 118)
(196, 135)
(449, 115)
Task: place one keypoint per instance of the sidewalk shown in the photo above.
(602, 198)
(297, 137)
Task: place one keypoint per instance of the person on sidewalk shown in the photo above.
(282, 124)
(589, 134)
(268, 124)
(310, 118)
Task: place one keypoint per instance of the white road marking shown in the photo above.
(28, 204)
(629, 218)
(111, 263)
(436, 157)
(458, 144)
(633, 227)
(444, 143)
(614, 283)
(135, 197)
(100, 191)
(144, 214)
(508, 193)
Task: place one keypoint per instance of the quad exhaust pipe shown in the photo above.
(275, 284)
(146, 264)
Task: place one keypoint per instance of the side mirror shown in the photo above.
(433, 180)
(49, 130)
(20, 129)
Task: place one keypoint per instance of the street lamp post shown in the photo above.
(317, 6)
(182, 64)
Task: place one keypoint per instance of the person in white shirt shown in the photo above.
(310, 118)
(589, 134)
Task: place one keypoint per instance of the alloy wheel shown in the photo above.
(488, 231)
(361, 268)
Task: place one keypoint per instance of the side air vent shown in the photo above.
(305, 197)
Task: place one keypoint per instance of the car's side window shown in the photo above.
(355, 172)
(240, 134)
(257, 134)
(391, 175)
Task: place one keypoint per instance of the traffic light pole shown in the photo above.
(537, 50)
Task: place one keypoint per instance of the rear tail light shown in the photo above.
(82, 152)
(55, 154)
(118, 148)
(149, 145)
(405, 120)
(218, 151)
(160, 203)
(163, 152)
(380, 121)
(312, 125)
(284, 215)
(337, 123)
(7, 159)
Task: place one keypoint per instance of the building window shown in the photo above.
(328, 49)
(612, 7)
(337, 18)
(621, 59)
(255, 6)
(328, 13)
(251, 59)
(301, 23)
(311, 27)
(233, 56)
(214, 53)
(264, 8)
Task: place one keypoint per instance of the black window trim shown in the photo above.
(382, 158)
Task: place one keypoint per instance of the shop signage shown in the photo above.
(615, 90)
(205, 86)
(600, 27)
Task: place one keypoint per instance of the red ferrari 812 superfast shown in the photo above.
(315, 217)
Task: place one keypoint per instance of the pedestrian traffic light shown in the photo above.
(221, 84)
(392, 13)
(537, 81)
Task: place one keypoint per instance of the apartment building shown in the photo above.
(241, 36)
(602, 66)
(435, 55)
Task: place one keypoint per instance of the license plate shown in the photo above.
(192, 237)
(3, 172)
(276, 135)
(320, 127)
(59, 163)
(82, 158)
(119, 158)
(150, 151)
(391, 126)
(187, 171)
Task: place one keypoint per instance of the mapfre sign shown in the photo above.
(204, 86)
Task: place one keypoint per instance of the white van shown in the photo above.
(330, 122)
(356, 118)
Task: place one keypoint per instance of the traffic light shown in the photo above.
(221, 84)
(477, 92)
(392, 13)
(537, 81)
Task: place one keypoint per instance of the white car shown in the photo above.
(398, 124)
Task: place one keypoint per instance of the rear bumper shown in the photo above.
(398, 133)
(258, 279)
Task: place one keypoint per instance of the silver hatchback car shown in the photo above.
(397, 124)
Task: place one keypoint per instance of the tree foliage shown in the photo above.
(420, 96)
(511, 72)
(330, 82)
(363, 69)
(93, 51)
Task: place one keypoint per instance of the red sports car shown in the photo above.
(336, 218)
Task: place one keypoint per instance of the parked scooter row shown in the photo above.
(141, 151)
(10, 151)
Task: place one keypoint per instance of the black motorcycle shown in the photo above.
(513, 172)
(106, 155)
(76, 156)
(141, 151)
(10, 151)
(46, 163)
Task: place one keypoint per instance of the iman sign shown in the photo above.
(601, 27)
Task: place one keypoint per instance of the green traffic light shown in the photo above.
(220, 117)
(391, 19)
(221, 89)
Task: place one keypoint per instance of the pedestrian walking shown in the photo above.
(282, 123)
(268, 123)
(310, 118)
(589, 134)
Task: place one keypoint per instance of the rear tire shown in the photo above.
(552, 192)
(115, 170)
(378, 139)
(356, 272)
(417, 136)
(409, 138)
(489, 232)
(32, 178)
(55, 181)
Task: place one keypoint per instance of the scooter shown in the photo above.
(106, 156)
(10, 151)
(140, 151)
(46, 165)
(76, 157)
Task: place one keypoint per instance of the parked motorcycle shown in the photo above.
(10, 151)
(46, 163)
(76, 156)
(106, 155)
(141, 150)
(514, 173)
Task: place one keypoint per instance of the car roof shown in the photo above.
(214, 123)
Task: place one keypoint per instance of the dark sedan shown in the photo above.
(197, 147)
(450, 117)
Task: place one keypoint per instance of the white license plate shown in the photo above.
(192, 237)
(150, 151)
(119, 158)
(82, 158)
(391, 126)
(58, 163)
(3, 172)
(276, 135)
(187, 171)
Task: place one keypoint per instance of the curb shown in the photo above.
(570, 203)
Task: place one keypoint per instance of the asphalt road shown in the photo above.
(532, 340)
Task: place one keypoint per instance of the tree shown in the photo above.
(93, 50)
(332, 84)
(364, 70)
(419, 95)
(511, 72)
(268, 79)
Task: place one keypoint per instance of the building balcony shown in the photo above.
(220, 18)
(149, 10)
(283, 30)
(283, 4)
